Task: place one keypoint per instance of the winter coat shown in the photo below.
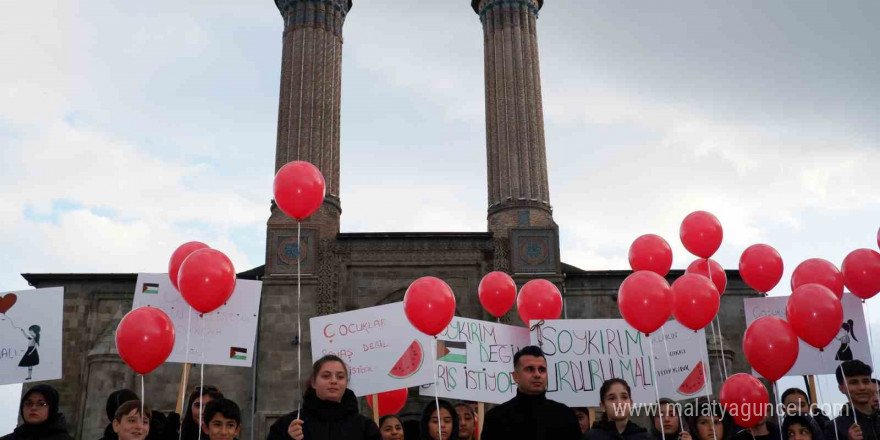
(54, 428)
(325, 420)
(870, 424)
(530, 417)
(607, 430)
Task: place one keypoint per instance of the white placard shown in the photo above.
(846, 345)
(384, 352)
(30, 335)
(680, 372)
(583, 353)
(475, 360)
(222, 337)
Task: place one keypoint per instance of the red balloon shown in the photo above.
(299, 189)
(701, 233)
(206, 279)
(145, 338)
(497, 293)
(719, 277)
(645, 301)
(179, 255)
(650, 252)
(537, 300)
(761, 267)
(429, 305)
(771, 347)
(745, 399)
(815, 314)
(695, 301)
(819, 271)
(861, 272)
(390, 402)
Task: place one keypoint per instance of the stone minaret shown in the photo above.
(308, 129)
(519, 197)
(308, 110)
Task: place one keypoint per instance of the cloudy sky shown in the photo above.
(127, 128)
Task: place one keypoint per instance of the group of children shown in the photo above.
(330, 412)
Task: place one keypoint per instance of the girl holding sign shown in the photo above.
(329, 409)
(615, 400)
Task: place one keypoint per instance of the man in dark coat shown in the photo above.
(42, 421)
(854, 381)
(530, 415)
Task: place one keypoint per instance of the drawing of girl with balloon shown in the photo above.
(31, 357)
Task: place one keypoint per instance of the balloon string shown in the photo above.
(189, 314)
(299, 382)
(436, 386)
(143, 398)
(669, 365)
(536, 327)
(202, 378)
(848, 395)
(11, 322)
(706, 378)
(779, 404)
(821, 397)
(870, 332)
(656, 388)
(721, 344)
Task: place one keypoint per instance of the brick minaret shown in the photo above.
(518, 189)
(520, 216)
(308, 110)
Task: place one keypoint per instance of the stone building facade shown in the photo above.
(346, 271)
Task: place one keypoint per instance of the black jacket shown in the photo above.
(531, 418)
(54, 428)
(323, 420)
(607, 430)
(772, 433)
(870, 424)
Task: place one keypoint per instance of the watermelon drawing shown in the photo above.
(694, 382)
(409, 363)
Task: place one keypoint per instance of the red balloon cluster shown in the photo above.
(815, 314)
(761, 267)
(537, 300)
(179, 255)
(299, 189)
(497, 293)
(695, 301)
(745, 399)
(650, 252)
(429, 305)
(645, 301)
(145, 338)
(206, 279)
(819, 271)
(861, 272)
(718, 276)
(771, 347)
(390, 402)
(701, 233)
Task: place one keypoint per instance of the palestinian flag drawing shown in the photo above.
(238, 353)
(150, 288)
(452, 351)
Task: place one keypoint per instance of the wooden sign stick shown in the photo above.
(181, 392)
(375, 398)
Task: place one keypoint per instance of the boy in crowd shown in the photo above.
(857, 420)
(222, 420)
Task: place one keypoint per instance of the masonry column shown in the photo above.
(308, 129)
(308, 109)
(519, 212)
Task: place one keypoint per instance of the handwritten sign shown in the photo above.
(383, 350)
(475, 360)
(850, 343)
(682, 369)
(222, 337)
(30, 335)
(583, 353)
